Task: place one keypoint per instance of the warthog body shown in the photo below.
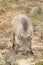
(22, 33)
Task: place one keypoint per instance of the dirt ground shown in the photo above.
(6, 38)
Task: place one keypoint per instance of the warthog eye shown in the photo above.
(29, 38)
(20, 37)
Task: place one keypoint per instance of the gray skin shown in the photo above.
(22, 34)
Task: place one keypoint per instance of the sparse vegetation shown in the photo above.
(8, 7)
(38, 11)
(39, 63)
(26, 9)
(33, 4)
(35, 28)
(37, 17)
(1, 64)
(41, 36)
(2, 11)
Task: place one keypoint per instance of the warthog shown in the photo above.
(22, 33)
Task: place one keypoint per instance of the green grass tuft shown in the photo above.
(39, 63)
(8, 7)
(27, 9)
(2, 11)
(1, 64)
(35, 17)
(41, 36)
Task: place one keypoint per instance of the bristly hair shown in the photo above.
(25, 23)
